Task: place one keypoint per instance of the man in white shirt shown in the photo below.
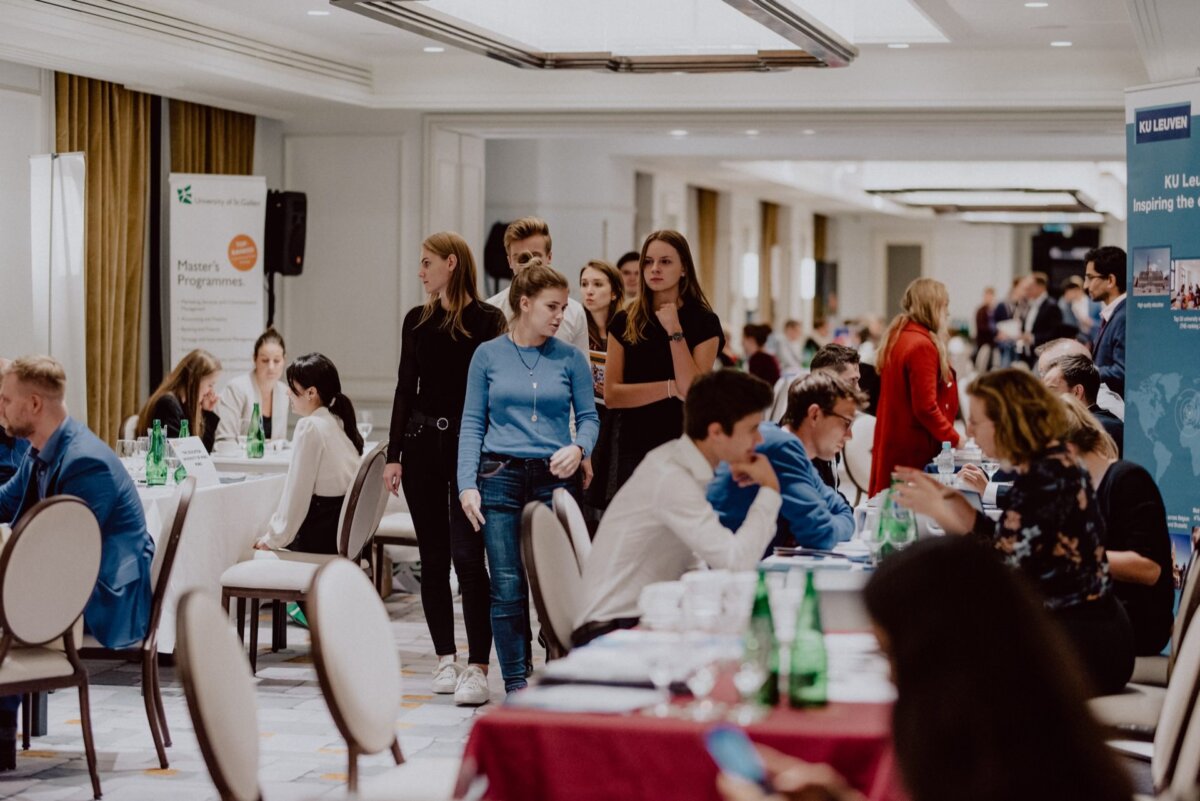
(661, 522)
(531, 235)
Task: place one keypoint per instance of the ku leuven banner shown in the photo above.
(1162, 380)
(216, 267)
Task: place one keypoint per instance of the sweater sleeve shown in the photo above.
(815, 515)
(406, 388)
(299, 487)
(474, 421)
(923, 376)
(583, 399)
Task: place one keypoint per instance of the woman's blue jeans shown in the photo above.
(506, 485)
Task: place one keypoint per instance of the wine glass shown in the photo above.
(365, 423)
(990, 466)
(660, 664)
(751, 673)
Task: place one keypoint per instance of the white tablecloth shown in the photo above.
(223, 523)
(277, 459)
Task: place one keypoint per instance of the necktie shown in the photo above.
(1100, 335)
(33, 490)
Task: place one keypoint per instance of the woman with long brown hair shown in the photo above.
(437, 342)
(602, 290)
(657, 347)
(188, 393)
(918, 396)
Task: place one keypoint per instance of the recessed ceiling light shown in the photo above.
(679, 132)
(1036, 5)
(808, 132)
(1061, 44)
(435, 49)
(318, 13)
(898, 46)
(752, 132)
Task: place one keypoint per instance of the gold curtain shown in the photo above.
(706, 252)
(211, 140)
(111, 125)
(767, 242)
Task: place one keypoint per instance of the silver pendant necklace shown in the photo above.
(532, 417)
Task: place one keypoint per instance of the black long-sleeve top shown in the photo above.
(170, 412)
(433, 365)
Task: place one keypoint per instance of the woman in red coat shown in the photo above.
(918, 397)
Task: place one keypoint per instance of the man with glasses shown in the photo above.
(820, 412)
(1104, 278)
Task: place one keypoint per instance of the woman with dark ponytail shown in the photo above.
(326, 451)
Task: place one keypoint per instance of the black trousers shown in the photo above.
(1103, 638)
(445, 537)
(319, 531)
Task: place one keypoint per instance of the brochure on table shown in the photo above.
(192, 454)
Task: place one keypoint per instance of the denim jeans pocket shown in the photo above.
(491, 467)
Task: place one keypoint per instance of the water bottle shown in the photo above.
(897, 526)
(760, 638)
(256, 440)
(156, 457)
(184, 429)
(808, 668)
(945, 464)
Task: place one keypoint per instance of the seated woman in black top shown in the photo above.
(1050, 526)
(1136, 538)
(188, 393)
(666, 339)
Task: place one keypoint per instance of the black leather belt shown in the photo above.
(440, 423)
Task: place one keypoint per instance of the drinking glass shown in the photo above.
(751, 673)
(660, 664)
(365, 423)
(700, 682)
(990, 466)
(143, 446)
(172, 466)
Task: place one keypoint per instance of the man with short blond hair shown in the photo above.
(526, 238)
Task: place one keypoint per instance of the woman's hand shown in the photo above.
(208, 401)
(565, 461)
(472, 507)
(668, 315)
(927, 496)
(586, 467)
(391, 478)
(973, 478)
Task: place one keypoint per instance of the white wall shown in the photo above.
(963, 256)
(26, 129)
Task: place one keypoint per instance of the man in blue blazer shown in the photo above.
(816, 425)
(65, 458)
(1104, 276)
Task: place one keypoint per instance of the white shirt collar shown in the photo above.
(690, 457)
(1106, 312)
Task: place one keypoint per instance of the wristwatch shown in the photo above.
(676, 337)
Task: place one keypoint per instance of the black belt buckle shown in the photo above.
(442, 423)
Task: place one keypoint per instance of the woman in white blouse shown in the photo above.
(262, 386)
(326, 452)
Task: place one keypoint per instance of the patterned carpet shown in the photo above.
(302, 755)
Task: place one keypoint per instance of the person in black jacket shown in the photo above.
(188, 393)
(1136, 538)
(1076, 375)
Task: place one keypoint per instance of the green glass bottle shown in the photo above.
(897, 526)
(761, 638)
(184, 430)
(808, 668)
(256, 440)
(156, 457)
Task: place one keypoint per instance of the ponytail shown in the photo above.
(317, 371)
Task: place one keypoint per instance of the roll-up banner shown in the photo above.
(1162, 365)
(216, 269)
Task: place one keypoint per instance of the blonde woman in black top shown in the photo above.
(438, 340)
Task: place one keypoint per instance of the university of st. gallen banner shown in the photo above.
(216, 267)
(1162, 356)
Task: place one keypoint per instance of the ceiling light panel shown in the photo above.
(999, 199)
(622, 35)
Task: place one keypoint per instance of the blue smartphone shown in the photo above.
(736, 755)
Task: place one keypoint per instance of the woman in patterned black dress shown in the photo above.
(1050, 526)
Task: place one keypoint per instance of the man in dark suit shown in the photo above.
(65, 458)
(1105, 277)
(1043, 318)
(1076, 375)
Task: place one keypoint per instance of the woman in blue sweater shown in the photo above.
(515, 443)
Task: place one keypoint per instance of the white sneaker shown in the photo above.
(472, 689)
(445, 677)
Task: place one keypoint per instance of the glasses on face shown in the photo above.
(1093, 277)
(849, 421)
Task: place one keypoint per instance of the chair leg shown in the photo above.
(254, 603)
(158, 703)
(26, 720)
(149, 692)
(89, 745)
(241, 619)
(352, 770)
(397, 754)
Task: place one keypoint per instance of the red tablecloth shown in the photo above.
(533, 755)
